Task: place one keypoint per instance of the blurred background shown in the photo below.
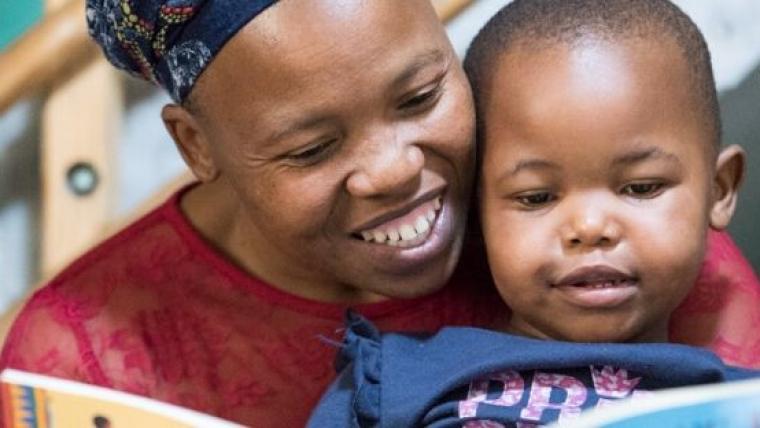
(88, 152)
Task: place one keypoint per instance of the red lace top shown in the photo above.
(157, 311)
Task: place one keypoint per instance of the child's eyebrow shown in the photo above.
(632, 157)
(418, 63)
(646, 153)
(532, 164)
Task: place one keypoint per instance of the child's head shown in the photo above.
(601, 167)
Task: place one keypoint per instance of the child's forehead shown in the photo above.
(591, 48)
(591, 67)
(600, 90)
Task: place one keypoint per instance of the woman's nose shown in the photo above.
(391, 169)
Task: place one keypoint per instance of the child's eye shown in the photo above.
(643, 190)
(311, 154)
(535, 200)
(421, 100)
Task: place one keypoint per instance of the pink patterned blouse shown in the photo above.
(158, 311)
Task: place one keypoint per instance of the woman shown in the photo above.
(333, 143)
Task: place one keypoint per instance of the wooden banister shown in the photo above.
(448, 9)
(56, 48)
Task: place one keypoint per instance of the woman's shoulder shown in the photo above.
(42, 340)
(55, 331)
(722, 312)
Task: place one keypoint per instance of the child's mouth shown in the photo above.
(597, 286)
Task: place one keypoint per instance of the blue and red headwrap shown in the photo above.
(169, 42)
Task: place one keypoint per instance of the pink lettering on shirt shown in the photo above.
(512, 393)
(611, 383)
(540, 396)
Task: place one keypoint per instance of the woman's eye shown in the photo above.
(643, 190)
(311, 154)
(420, 100)
(536, 200)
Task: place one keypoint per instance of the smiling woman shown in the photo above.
(352, 135)
(333, 144)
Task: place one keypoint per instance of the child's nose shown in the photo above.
(591, 225)
(392, 168)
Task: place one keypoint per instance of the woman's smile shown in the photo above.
(405, 230)
(401, 244)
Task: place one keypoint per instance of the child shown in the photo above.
(601, 174)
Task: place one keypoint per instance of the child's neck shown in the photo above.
(654, 334)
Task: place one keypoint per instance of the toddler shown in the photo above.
(601, 173)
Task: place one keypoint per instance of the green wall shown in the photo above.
(15, 17)
(740, 108)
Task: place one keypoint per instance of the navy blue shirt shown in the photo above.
(469, 374)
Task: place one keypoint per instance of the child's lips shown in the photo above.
(598, 286)
(606, 297)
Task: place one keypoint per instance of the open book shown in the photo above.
(35, 401)
(725, 405)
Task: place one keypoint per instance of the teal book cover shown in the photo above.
(727, 405)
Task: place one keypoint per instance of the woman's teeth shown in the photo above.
(408, 231)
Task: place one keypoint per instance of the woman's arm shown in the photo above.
(722, 312)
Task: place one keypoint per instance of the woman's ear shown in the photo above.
(729, 172)
(191, 141)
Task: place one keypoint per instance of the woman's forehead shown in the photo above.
(292, 18)
(317, 30)
(310, 58)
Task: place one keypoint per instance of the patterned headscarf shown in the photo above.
(168, 42)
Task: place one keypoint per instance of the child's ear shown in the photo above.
(191, 141)
(729, 172)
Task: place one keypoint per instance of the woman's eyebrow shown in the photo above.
(296, 126)
(417, 64)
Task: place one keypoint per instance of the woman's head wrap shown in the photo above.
(169, 42)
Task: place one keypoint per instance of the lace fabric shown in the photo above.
(722, 312)
(158, 312)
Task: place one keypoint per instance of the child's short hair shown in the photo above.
(533, 24)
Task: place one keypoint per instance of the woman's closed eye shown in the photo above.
(421, 100)
(311, 154)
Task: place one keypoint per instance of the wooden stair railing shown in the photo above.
(55, 49)
(449, 9)
(81, 125)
